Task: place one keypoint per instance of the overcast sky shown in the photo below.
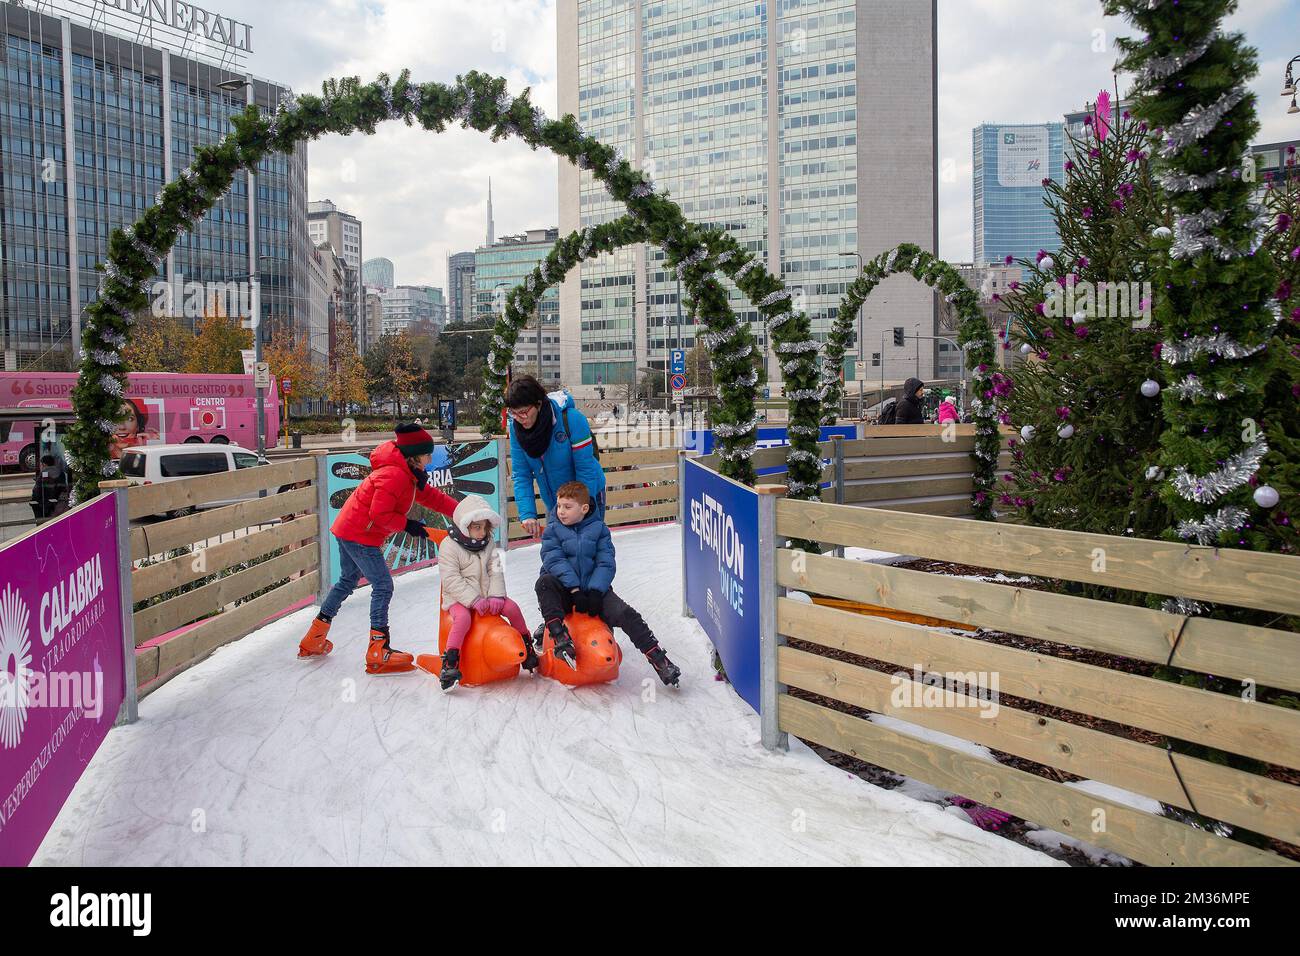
(421, 195)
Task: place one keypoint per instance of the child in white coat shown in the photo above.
(473, 580)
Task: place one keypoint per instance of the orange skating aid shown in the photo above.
(598, 655)
(316, 644)
(493, 650)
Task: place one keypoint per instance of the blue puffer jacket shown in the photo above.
(567, 458)
(581, 555)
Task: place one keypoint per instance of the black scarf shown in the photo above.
(537, 439)
(466, 542)
(421, 476)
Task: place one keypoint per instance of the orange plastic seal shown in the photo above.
(598, 655)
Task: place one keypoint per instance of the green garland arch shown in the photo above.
(481, 102)
(974, 335)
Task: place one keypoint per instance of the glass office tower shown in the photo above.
(1011, 163)
(756, 120)
(93, 122)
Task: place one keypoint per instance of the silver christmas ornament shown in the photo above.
(1066, 430)
(1047, 263)
(1162, 232)
(1028, 432)
(1266, 496)
(1150, 388)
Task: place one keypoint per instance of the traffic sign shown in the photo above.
(262, 375)
(678, 362)
(679, 382)
(679, 398)
(286, 386)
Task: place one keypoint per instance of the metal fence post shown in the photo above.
(837, 452)
(503, 491)
(130, 711)
(770, 689)
(681, 523)
(323, 585)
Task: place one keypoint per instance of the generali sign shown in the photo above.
(188, 18)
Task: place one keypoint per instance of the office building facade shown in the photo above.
(806, 131)
(377, 274)
(460, 287)
(505, 264)
(408, 306)
(327, 223)
(95, 119)
(1010, 164)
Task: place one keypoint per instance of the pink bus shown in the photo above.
(165, 408)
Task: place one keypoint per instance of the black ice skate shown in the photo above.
(562, 644)
(529, 662)
(668, 672)
(449, 676)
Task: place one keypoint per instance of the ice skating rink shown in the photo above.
(253, 758)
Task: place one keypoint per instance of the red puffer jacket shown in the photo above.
(378, 506)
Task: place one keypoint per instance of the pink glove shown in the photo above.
(482, 606)
(496, 605)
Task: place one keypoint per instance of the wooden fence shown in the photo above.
(1071, 713)
(204, 578)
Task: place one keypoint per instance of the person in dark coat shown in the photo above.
(910, 411)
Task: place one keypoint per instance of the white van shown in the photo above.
(151, 464)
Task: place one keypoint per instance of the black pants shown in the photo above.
(555, 601)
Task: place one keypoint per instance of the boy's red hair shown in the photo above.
(574, 491)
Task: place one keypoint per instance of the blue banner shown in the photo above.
(701, 440)
(459, 469)
(720, 554)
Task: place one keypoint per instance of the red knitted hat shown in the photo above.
(413, 440)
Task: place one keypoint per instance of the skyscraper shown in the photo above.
(500, 267)
(327, 223)
(807, 132)
(491, 226)
(1011, 163)
(460, 287)
(377, 273)
(95, 117)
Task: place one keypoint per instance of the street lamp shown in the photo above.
(256, 303)
(1288, 84)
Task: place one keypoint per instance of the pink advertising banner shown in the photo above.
(61, 667)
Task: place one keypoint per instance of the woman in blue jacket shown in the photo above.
(550, 444)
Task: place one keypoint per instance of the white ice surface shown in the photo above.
(253, 758)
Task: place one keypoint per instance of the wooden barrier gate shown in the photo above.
(1083, 719)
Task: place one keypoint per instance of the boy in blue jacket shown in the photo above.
(577, 571)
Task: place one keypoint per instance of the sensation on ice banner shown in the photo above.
(720, 556)
(61, 666)
(459, 469)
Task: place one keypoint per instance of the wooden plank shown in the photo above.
(644, 456)
(1263, 731)
(162, 497)
(146, 666)
(1219, 575)
(885, 490)
(154, 579)
(1223, 793)
(913, 431)
(161, 536)
(185, 608)
(615, 517)
(229, 626)
(947, 508)
(1267, 657)
(891, 447)
(615, 479)
(770, 457)
(1145, 837)
(638, 494)
(907, 467)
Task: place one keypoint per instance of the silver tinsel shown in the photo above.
(106, 358)
(500, 343)
(1222, 345)
(743, 450)
(748, 380)
(778, 320)
(149, 252)
(584, 161)
(804, 394)
(530, 282)
(890, 260)
(588, 237)
(1198, 123)
(466, 108)
(790, 348)
(694, 257)
(108, 468)
(413, 96)
(1184, 607)
(1208, 530)
(751, 264)
(723, 430)
(809, 430)
(1236, 471)
(725, 256)
(1192, 234)
(615, 161)
(1157, 68)
(387, 95)
(1192, 388)
(798, 454)
(641, 190)
(1189, 182)
(106, 426)
(111, 385)
(780, 295)
(789, 367)
(492, 364)
(793, 488)
(504, 102)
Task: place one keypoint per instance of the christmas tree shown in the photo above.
(1215, 302)
(1082, 319)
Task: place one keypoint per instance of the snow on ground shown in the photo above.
(254, 758)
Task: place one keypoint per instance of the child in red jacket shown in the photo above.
(375, 510)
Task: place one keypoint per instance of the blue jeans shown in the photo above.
(354, 561)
